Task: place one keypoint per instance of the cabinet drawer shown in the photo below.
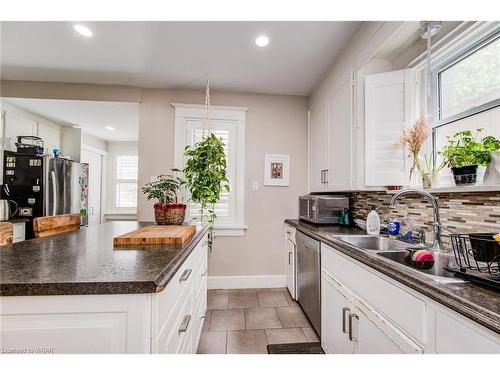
(386, 297)
(174, 333)
(178, 289)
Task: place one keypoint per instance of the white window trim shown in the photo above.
(185, 112)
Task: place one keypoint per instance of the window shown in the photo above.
(125, 181)
(470, 82)
(227, 123)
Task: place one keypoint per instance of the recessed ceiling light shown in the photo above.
(262, 41)
(109, 128)
(83, 30)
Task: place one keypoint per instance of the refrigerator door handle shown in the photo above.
(54, 193)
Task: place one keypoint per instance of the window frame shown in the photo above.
(464, 52)
(116, 180)
(236, 116)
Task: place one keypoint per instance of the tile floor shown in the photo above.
(241, 321)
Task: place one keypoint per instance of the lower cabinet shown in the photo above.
(366, 312)
(350, 326)
(290, 260)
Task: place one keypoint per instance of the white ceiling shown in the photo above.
(91, 116)
(176, 54)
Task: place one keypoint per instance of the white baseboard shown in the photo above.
(246, 282)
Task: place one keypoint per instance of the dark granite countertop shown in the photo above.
(85, 262)
(479, 304)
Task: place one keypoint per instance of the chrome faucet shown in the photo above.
(437, 244)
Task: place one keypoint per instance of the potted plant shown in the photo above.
(205, 172)
(464, 153)
(164, 189)
(413, 138)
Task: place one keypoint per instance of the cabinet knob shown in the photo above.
(344, 311)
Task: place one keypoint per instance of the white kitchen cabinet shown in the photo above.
(388, 317)
(290, 259)
(318, 151)
(51, 136)
(336, 305)
(340, 129)
(331, 150)
(16, 125)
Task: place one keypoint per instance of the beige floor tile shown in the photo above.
(217, 299)
(272, 299)
(292, 317)
(285, 335)
(226, 320)
(206, 322)
(289, 299)
(212, 343)
(310, 334)
(261, 318)
(247, 342)
(243, 299)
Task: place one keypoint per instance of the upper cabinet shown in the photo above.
(330, 138)
(386, 113)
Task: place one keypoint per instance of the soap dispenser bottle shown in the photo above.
(373, 222)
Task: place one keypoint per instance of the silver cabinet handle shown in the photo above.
(289, 254)
(185, 275)
(344, 311)
(184, 324)
(205, 272)
(351, 317)
(326, 176)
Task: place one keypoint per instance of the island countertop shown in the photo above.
(85, 262)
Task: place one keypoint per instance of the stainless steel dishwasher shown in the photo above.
(309, 278)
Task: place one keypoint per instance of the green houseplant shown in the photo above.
(164, 191)
(205, 172)
(464, 153)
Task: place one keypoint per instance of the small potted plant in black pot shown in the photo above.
(167, 210)
(464, 153)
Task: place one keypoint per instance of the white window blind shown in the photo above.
(126, 181)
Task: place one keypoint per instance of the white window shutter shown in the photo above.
(386, 113)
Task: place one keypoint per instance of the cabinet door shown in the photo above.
(340, 138)
(290, 267)
(372, 334)
(16, 125)
(317, 146)
(51, 137)
(335, 308)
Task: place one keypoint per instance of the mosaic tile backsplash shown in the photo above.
(460, 212)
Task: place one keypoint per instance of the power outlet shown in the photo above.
(255, 185)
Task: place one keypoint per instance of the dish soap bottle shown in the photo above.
(373, 222)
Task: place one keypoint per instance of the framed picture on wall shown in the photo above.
(277, 170)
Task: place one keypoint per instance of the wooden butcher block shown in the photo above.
(157, 235)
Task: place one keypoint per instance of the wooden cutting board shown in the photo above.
(157, 235)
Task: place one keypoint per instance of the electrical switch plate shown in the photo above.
(255, 185)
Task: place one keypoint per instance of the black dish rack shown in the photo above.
(477, 256)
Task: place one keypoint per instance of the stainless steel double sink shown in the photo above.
(399, 252)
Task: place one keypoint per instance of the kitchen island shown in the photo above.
(76, 293)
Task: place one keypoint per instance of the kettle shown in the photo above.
(5, 210)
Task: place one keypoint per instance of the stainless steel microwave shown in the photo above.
(322, 209)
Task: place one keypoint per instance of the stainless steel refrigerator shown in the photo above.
(45, 186)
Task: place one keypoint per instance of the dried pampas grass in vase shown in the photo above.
(414, 138)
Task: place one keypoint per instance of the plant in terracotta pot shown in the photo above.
(205, 172)
(164, 190)
(464, 153)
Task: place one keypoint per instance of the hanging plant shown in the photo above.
(205, 173)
